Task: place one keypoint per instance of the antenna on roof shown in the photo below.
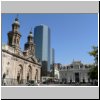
(31, 29)
(16, 17)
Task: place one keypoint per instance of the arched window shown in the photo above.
(29, 73)
(20, 74)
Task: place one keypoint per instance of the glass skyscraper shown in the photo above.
(42, 42)
(52, 55)
(52, 61)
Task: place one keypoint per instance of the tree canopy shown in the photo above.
(94, 53)
(93, 73)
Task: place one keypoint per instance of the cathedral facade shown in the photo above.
(18, 67)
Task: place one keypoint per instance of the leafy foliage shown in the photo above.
(94, 53)
(93, 73)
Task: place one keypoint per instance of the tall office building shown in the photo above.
(52, 61)
(42, 42)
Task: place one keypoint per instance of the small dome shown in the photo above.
(30, 35)
(16, 22)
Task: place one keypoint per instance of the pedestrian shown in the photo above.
(4, 80)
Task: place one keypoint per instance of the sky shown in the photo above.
(72, 35)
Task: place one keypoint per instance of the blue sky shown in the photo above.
(72, 35)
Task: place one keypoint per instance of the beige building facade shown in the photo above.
(18, 67)
(57, 67)
(75, 72)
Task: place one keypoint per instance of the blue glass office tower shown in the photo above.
(42, 48)
(52, 61)
(52, 57)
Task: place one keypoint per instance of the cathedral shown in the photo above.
(18, 67)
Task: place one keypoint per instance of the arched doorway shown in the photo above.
(29, 73)
(77, 77)
(20, 74)
(36, 76)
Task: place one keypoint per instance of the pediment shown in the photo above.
(33, 59)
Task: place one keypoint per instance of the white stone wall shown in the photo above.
(11, 65)
(70, 74)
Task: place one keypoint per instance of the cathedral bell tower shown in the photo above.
(30, 46)
(14, 35)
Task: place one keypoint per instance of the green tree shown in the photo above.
(94, 53)
(93, 73)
